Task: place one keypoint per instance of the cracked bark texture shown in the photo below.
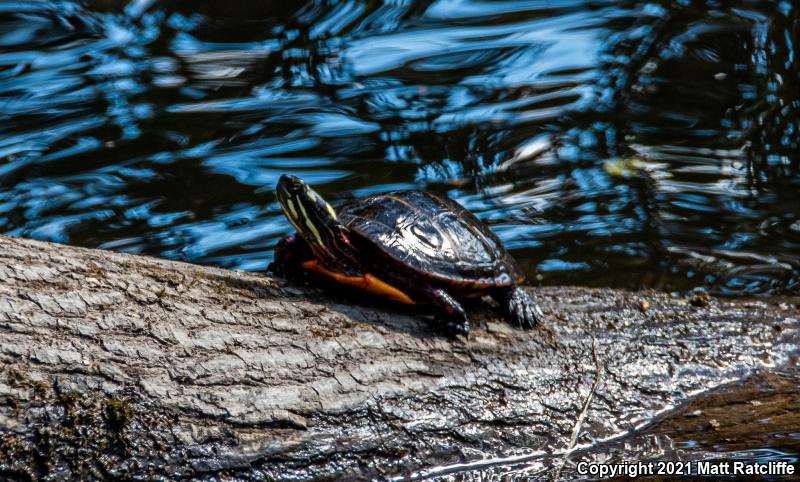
(116, 365)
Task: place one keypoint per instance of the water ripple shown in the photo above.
(608, 142)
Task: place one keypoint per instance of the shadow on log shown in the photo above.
(116, 365)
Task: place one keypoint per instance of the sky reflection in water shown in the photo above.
(607, 143)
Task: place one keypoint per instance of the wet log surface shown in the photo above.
(115, 365)
(755, 421)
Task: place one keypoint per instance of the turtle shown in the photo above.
(414, 247)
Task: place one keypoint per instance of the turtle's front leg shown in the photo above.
(519, 306)
(289, 254)
(450, 315)
(449, 312)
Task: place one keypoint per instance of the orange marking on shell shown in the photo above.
(367, 283)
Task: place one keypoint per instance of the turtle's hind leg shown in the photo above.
(519, 306)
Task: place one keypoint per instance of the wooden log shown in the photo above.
(114, 365)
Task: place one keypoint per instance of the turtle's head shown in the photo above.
(314, 219)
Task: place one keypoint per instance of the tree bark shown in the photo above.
(116, 365)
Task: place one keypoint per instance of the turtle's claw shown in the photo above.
(457, 328)
(522, 309)
(450, 327)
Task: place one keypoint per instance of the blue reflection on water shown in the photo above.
(596, 137)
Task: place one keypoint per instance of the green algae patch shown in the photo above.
(118, 413)
(86, 434)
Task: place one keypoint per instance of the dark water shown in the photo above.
(607, 142)
(613, 143)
